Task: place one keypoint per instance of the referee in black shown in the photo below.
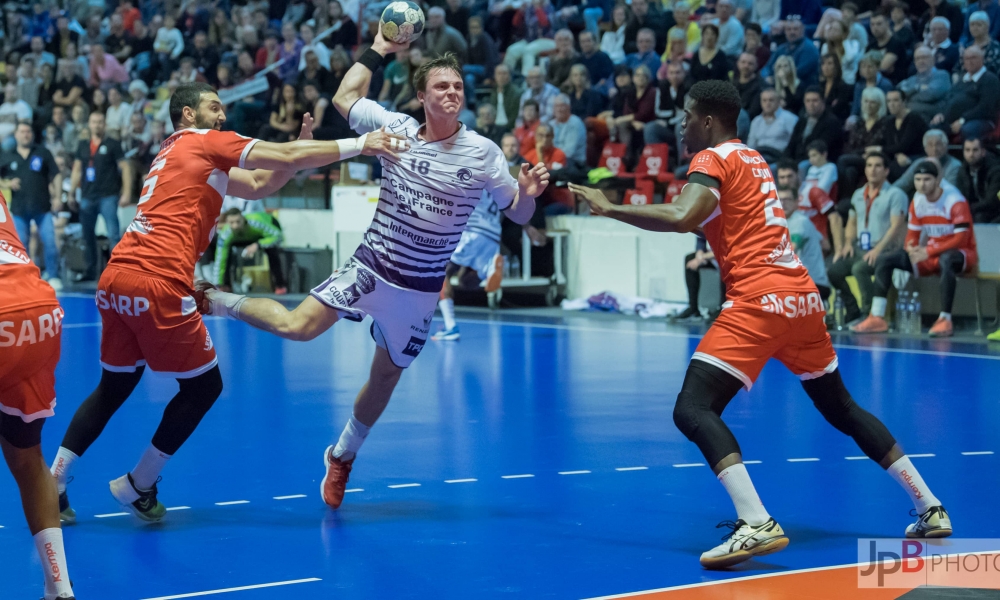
(104, 178)
(31, 174)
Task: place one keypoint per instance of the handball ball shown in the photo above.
(402, 22)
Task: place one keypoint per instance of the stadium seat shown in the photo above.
(642, 193)
(653, 163)
(613, 159)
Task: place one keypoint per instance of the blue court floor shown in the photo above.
(535, 458)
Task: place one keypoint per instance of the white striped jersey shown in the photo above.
(427, 198)
(485, 219)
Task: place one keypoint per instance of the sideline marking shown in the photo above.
(232, 502)
(803, 460)
(236, 589)
(403, 485)
(470, 480)
(290, 497)
(632, 469)
(524, 476)
(574, 472)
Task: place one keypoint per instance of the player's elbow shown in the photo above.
(298, 328)
(344, 100)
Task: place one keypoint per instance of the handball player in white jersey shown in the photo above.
(479, 250)
(427, 197)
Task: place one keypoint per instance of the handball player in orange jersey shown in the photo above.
(773, 310)
(148, 306)
(30, 328)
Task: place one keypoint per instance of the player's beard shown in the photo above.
(201, 122)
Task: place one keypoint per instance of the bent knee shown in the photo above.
(686, 414)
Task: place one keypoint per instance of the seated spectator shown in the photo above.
(28, 83)
(895, 64)
(486, 125)
(138, 93)
(669, 111)
(329, 123)
(505, 97)
(187, 73)
(932, 248)
(221, 32)
(876, 224)
(569, 131)
(952, 13)
(535, 20)
(945, 52)
(903, 132)
(253, 232)
(511, 148)
(771, 130)
(554, 200)
(869, 77)
(62, 36)
(585, 101)
(684, 24)
(971, 109)
(440, 38)
(677, 52)
(979, 28)
(817, 193)
(836, 93)
(286, 117)
(346, 33)
(807, 242)
(317, 74)
(753, 43)
(168, 46)
(117, 43)
(52, 139)
(99, 101)
(748, 83)
(12, 111)
(613, 41)
(790, 89)
(290, 51)
(645, 55)
(38, 53)
(935, 144)
(927, 90)
(105, 70)
(844, 49)
(540, 91)
(992, 10)
(118, 115)
(865, 135)
(93, 34)
(803, 53)
(765, 13)
(644, 17)
(598, 64)
(701, 258)
(901, 27)
(135, 138)
(457, 17)
(562, 61)
(730, 29)
(525, 132)
(321, 50)
(483, 56)
(820, 124)
(600, 127)
(396, 76)
(633, 107)
(979, 181)
(709, 62)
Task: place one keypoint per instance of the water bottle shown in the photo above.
(915, 314)
(515, 268)
(839, 312)
(902, 304)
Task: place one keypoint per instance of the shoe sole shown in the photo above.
(128, 505)
(68, 516)
(735, 558)
(932, 534)
(446, 338)
(322, 483)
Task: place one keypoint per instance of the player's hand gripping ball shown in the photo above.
(402, 22)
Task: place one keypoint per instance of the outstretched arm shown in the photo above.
(687, 212)
(357, 79)
(261, 183)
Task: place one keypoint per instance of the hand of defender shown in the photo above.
(200, 287)
(599, 203)
(533, 180)
(306, 132)
(383, 143)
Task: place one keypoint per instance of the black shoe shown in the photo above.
(690, 315)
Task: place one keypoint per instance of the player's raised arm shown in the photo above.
(695, 204)
(355, 83)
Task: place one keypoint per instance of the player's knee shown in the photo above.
(207, 386)
(686, 412)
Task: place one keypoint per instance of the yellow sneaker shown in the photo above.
(994, 337)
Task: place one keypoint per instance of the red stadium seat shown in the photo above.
(613, 158)
(641, 194)
(673, 189)
(653, 163)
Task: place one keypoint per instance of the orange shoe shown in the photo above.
(872, 324)
(335, 481)
(496, 276)
(942, 328)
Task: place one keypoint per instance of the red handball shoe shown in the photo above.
(280, 291)
(942, 328)
(872, 324)
(335, 481)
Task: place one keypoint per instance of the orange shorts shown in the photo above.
(788, 326)
(29, 352)
(150, 321)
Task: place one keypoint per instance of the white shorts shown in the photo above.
(401, 317)
(476, 251)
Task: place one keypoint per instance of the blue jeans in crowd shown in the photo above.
(47, 234)
(107, 207)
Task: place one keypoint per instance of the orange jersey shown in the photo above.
(748, 231)
(21, 284)
(945, 224)
(180, 203)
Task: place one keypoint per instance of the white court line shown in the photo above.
(105, 516)
(524, 476)
(354, 490)
(469, 480)
(856, 457)
(803, 460)
(685, 465)
(631, 468)
(179, 508)
(403, 485)
(751, 462)
(232, 502)
(293, 496)
(574, 472)
(237, 589)
(921, 455)
(982, 453)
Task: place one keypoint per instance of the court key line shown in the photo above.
(236, 589)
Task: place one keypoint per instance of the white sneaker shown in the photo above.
(745, 542)
(935, 523)
(447, 335)
(56, 283)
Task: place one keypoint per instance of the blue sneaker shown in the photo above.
(447, 335)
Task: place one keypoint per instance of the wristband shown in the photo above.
(351, 147)
(371, 60)
(225, 304)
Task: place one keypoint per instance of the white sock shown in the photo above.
(447, 306)
(737, 482)
(61, 466)
(907, 476)
(878, 307)
(945, 315)
(351, 439)
(145, 474)
(49, 543)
